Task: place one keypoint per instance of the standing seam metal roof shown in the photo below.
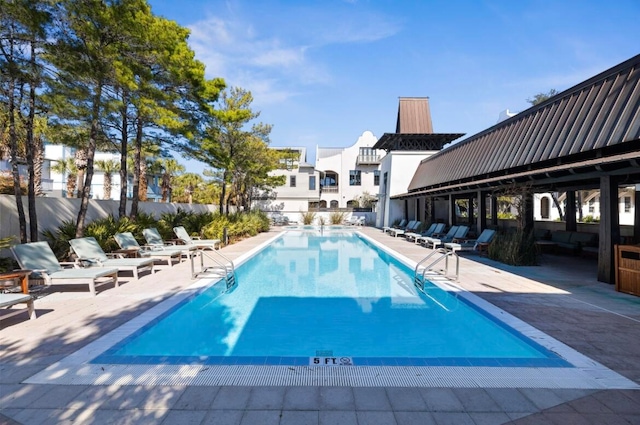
(600, 112)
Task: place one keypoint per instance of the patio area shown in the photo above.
(561, 297)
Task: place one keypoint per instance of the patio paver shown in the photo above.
(561, 298)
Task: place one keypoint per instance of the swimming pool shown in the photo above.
(84, 367)
(320, 298)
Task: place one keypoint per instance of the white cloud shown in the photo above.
(278, 65)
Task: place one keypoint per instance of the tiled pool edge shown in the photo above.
(356, 376)
(75, 369)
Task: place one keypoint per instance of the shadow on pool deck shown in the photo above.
(561, 297)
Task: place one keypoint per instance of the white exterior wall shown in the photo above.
(400, 167)
(288, 200)
(588, 208)
(53, 211)
(343, 161)
(56, 152)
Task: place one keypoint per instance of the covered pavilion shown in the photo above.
(584, 138)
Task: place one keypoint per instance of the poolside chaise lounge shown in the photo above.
(400, 225)
(90, 254)
(188, 240)
(9, 300)
(127, 241)
(456, 232)
(38, 257)
(472, 244)
(407, 227)
(434, 229)
(410, 228)
(424, 239)
(355, 220)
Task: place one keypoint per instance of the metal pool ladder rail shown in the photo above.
(223, 267)
(422, 270)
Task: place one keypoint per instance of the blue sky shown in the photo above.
(322, 72)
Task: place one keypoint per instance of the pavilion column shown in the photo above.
(570, 213)
(406, 210)
(527, 220)
(636, 216)
(428, 210)
(452, 210)
(609, 228)
(432, 208)
(494, 211)
(470, 210)
(481, 220)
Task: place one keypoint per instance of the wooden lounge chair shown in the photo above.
(188, 240)
(91, 254)
(38, 257)
(128, 242)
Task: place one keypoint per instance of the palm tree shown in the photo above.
(189, 182)
(170, 169)
(108, 167)
(67, 166)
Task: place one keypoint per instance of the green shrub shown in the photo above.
(516, 248)
(591, 219)
(506, 216)
(239, 226)
(7, 263)
(59, 239)
(194, 223)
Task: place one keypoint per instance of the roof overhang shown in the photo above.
(581, 173)
(415, 142)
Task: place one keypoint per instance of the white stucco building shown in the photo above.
(302, 186)
(348, 173)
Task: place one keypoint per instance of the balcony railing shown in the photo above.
(329, 189)
(367, 159)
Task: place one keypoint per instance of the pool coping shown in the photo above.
(77, 369)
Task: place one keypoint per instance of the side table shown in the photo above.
(23, 275)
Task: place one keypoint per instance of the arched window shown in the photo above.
(334, 204)
(323, 204)
(352, 204)
(545, 207)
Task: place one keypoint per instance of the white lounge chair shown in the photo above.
(38, 257)
(128, 242)
(188, 240)
(91, 254)
(410, 228)
(472, 244)
(456, 232)
(402, 224)
(9, 300)
(434, 229)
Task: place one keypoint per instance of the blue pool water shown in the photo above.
(335, 294)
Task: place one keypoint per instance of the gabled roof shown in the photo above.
(591, 121)
(414, 130)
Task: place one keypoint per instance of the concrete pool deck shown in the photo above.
(561, 298)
